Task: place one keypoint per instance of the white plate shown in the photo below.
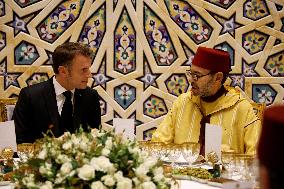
(4, 183)
(218, 184)
(182, 177)
(203, 181)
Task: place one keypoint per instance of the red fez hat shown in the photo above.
(271, 139)
(212, 59)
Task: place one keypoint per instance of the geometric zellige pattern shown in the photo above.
(142, 48)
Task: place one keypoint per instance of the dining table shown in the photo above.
(182, 184)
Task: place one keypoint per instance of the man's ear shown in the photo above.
(219, 76)
(62, 70)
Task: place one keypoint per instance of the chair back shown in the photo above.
(258, 109)
(7, 106)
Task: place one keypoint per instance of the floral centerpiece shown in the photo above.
(96, 160)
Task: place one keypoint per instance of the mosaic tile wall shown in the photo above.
(143, 48)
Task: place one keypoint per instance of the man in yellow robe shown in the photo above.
(210, 102)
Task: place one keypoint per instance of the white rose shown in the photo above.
(84, 146)
(134, 150)
(85, 138)
(108, 180)
(54, 152)
(64, 136)
(98, 185)
(62, 158)
(45, 169)
(86, 172)
(31, 185)
(150, 161)
(58, 179)
(100, 134)
(103, 164)
(118, 175)
(46, 185)
(67, 145)
(72, 173)
(158, 174)
(136, 181)
(42, 154)
(76, 141)
(66, 168)
(28, 179)
(141, 172)
(143, 155)
(148, 185)
(105, 152)
(94, 132)
(124, 183)
(109, 143)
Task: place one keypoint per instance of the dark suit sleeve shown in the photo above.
(94, 117)
(21, 117)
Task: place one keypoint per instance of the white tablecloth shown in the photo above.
(183, 184)
(6, 187)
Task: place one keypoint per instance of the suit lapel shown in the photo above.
(51, 106)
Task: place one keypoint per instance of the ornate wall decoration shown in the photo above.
(125, 45)
(255, 9)
(142, 49)
(94, 30)
(189, 20)
(2, 40)
(25, 3)
(155, 107)
(158, 38)
(25, 54)
(60, 19)
(177, 84)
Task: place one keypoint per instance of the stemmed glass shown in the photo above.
(145, 146)
(190, 152)
(229, 162)
(244, 165)
(173, 152)
(155, 149)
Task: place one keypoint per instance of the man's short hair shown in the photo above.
(65, 53)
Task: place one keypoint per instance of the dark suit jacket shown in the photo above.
(36, 111)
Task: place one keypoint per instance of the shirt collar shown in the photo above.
(59, 89)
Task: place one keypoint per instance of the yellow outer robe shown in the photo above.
(240, 125)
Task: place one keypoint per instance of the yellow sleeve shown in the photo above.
(251, 132)
(166, 130)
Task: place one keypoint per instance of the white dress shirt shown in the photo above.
(60, 98)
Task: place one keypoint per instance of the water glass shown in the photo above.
(190, 152)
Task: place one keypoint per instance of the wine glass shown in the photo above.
(229, 163)
(155, 149)
(190, 151)
(144, 146)
(244, 165)
(173, 152)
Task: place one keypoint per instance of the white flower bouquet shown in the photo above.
(96, 160)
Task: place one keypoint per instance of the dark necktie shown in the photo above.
(66, 118)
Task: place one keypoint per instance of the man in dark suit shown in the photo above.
(64, 102)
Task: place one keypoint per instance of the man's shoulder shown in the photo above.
(184, 97)
(90, 90)
(87, 92)
(36, 88)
